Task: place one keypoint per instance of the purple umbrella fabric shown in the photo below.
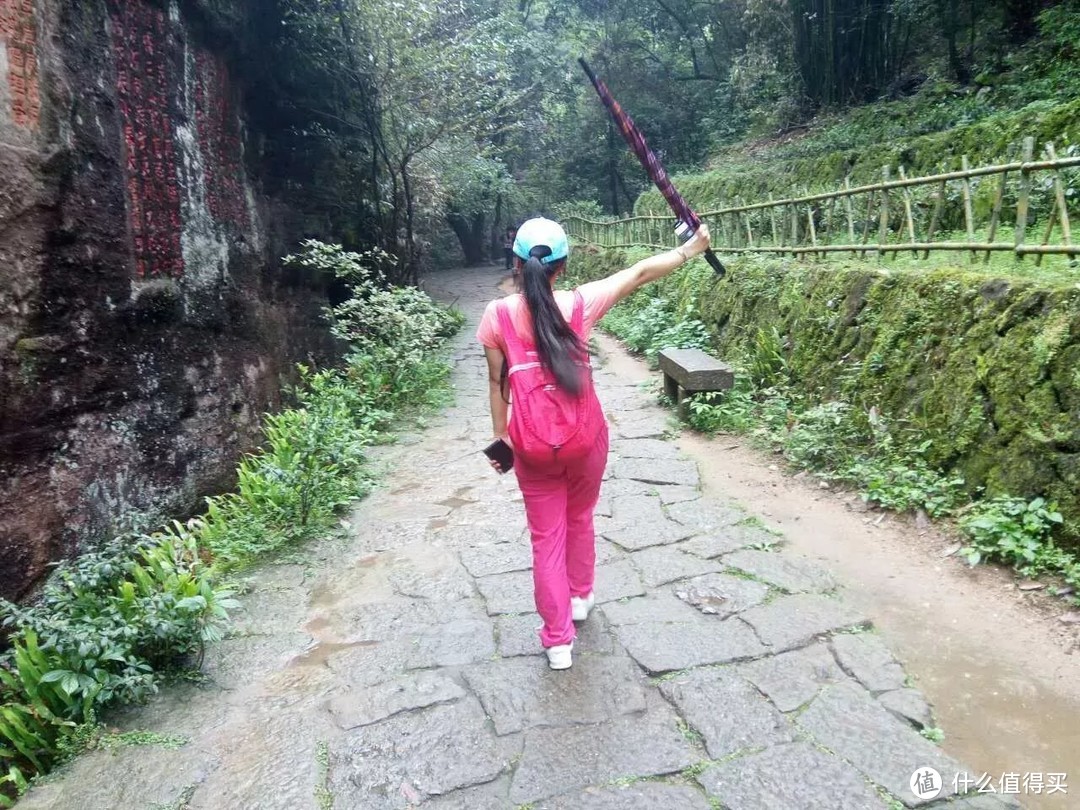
(652, 166)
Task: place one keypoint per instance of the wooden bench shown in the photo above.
(688, 371)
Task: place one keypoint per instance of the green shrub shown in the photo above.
(107, 624)
(1012, 531)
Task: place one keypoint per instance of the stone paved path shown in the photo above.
(403, 667)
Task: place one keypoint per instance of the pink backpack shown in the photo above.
(548, 423)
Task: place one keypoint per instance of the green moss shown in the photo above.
(985, 369)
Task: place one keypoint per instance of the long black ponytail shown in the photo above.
(556, 343)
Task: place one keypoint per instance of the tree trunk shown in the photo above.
(495, 243)
(949, 15)
(1020, 16)
(470, 237)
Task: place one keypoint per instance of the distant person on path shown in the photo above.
(556, 426)
(508, 247)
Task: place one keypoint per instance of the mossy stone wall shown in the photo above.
(987, 369)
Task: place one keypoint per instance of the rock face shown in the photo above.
(145, 323)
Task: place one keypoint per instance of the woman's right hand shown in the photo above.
(698, 243)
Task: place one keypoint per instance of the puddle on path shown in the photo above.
(1004, 687)
(318, 654)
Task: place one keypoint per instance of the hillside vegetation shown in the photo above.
(944, 385)
(1035, 94)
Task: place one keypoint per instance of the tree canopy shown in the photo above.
(460, 117)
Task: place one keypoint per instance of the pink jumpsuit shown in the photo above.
(559, 498)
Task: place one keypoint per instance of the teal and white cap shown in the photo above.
(541, 231)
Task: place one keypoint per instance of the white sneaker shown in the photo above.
(559, 656)
(580, 607)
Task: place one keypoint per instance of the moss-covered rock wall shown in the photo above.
(145, 319)
(988, 370)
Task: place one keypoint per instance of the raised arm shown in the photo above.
(626, 281)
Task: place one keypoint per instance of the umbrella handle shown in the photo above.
(714, 262)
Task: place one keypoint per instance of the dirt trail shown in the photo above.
(1002, 674)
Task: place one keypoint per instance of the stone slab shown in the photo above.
(867, 658)
(721, 594)
(790, 776)
(402, 760)
(439, 580)
(663, 564)
(558, 761)
(793, 574)
(366, 705)
(606, 551)
(638, 521)
(491, 796)
(711, 546)
(616, 580)
(636, 796)
(152, 776)
(614, 487)
(661, 648)
(450, 644)
(909, 704)
(642, 427)
(848, 721)
(676, 494)
(370, 664)
(656, 607)
(728, 712)
(792, 621)
(793, 679)
(508, 593)
(658, 471)
(497, 558)
(645, 448)
(704, 516)
(523, 693)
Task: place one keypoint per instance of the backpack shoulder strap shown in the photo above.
(514, 348)
(577, 319)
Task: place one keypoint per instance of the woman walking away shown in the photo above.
(556, 426)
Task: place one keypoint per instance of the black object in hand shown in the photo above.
(499, 451)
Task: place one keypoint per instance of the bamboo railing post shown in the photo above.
(777, 241)
(908, 214)
(870, 196)
(850, 212)
(828, 222)
(749, 229)
(1025, 194)
(812, 228)
(935, 219)
(995, 215)
(969, 215)
(1049, 230)
(1059, 193)
(794, 229)
(883, 226)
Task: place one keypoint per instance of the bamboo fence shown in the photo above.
(959, 211)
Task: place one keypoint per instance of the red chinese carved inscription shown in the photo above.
(219, 140)
(17, 30)
(143, 72)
